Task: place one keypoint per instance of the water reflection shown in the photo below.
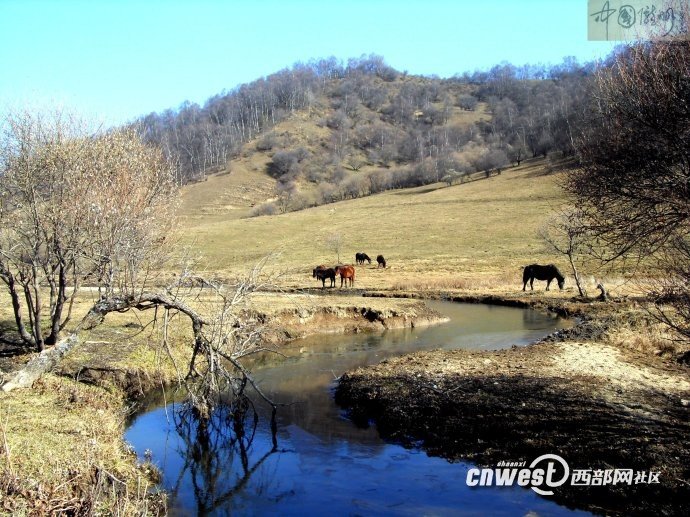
(215, 454)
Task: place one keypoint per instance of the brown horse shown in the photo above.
(381, 262)
(346, 273)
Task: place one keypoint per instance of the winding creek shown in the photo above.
(323, 464)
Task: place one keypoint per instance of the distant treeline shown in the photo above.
(377, 116)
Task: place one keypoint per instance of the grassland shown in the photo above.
(473, 235)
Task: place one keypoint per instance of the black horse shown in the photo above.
(381, 262)
(322, 273)
(547, 273)
(361, 257)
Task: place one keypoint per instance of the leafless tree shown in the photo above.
(467, 102)
(334, 243)
(82, 207)
(75, 207)
(566, 234)
(634, 185)
(224, 327)
(225, 331)
(285, 192)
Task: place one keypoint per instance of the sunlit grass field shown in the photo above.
(473, 235)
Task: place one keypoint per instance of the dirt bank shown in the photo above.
(599, 405)
(308, 314)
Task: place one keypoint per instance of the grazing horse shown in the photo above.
(547, 273)
(381, 262)
(361, 257)
(322, 273)
(346, 273)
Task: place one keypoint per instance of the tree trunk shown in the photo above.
(578, 281)
(42, 363)
(27, 338)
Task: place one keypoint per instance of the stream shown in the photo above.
(321, 462)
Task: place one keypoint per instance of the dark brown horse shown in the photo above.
(346, 273)
(381, 262)
(547, 273)
(361, 257)
(322, 273)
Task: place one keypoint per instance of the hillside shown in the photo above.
(432, 236)
(360, 154)
(245, 181)
(324, 131)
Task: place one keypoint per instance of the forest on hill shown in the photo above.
(375, 128)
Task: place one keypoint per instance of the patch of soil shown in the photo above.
(596, 406)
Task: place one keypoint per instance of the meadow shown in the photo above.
(475, 235)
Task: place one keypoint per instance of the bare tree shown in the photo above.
(467, 102)
(75, 207)
(285, 192)
(225, 331)
(95, 208)
(566, 234)
(334, 243)
(633, 184)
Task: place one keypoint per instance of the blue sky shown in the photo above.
(115, 60)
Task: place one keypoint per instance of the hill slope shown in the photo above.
(433, 235)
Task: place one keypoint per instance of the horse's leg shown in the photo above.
(548, 283)
(531, 283)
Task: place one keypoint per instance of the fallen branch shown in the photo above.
(49, 358)
(42, 363)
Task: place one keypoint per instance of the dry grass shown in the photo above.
(483, 228)
(635, 329)
(62, 451)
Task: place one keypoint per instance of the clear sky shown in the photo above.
(115, 60)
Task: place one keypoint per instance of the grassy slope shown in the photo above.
(482, 229)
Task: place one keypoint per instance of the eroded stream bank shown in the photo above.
(597, 406)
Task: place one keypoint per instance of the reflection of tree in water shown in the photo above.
(217, 451)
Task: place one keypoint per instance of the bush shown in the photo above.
(269, 208)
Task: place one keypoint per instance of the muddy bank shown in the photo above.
(562, 304)
(335, 317)
(597, 406)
